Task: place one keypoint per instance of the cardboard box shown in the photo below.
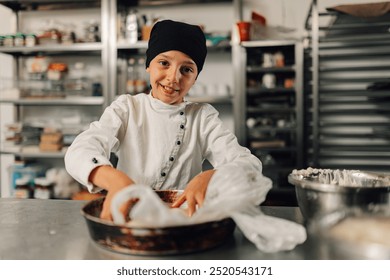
(51, 137)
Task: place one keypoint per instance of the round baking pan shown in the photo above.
(155, 241)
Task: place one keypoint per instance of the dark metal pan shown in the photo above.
(155, 241)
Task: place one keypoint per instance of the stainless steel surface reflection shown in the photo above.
(353, 234)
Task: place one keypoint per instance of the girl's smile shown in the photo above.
(169, 90)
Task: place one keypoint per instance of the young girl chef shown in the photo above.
(160, 139)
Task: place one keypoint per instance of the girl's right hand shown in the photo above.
(106, 210)
(112, 180)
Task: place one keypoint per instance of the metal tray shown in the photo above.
(155, 241)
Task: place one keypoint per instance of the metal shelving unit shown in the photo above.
(50, 49)
(135, 46)
(35, 155)
(82, 49)
(270, 119)
(62, 98)
(76, 100)
(347, 89)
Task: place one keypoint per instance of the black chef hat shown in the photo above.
(168, 35)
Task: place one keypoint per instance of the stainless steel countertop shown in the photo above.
(35, 229)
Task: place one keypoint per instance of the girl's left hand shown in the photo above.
(194, 192)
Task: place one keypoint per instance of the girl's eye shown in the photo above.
(187, 70)
(163, 62)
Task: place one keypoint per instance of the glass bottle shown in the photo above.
(140, 84)
(131, 76)
(132, 27)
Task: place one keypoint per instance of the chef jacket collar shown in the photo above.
(160, 106)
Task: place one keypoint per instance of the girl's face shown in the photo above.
(172, 74)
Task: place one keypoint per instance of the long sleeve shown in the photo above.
(92, 147)
(221, 147)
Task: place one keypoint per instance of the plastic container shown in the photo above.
(31, 40)
(28, 172)
(22, 188)
(19, 40)
(43, 188)
(8, 41)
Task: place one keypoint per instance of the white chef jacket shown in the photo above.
(157, 144)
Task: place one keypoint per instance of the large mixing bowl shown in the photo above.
(321, 191)
(155, 241)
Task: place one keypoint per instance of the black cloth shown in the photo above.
(168, 35)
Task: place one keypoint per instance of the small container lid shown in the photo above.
(42, 181)
(22, 181)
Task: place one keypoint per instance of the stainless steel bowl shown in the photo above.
(321, 191)
(155, 241)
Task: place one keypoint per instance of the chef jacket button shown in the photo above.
(182, 126)
(163, 174)
(171, 158)
(181, 113)
(178, 142)
(94, 160)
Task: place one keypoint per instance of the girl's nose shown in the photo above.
(174, 74)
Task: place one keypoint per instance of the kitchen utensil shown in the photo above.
(321, 191)
(155, 241)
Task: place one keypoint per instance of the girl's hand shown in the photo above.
(194, 192)
(113, 181)
(106, 210)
